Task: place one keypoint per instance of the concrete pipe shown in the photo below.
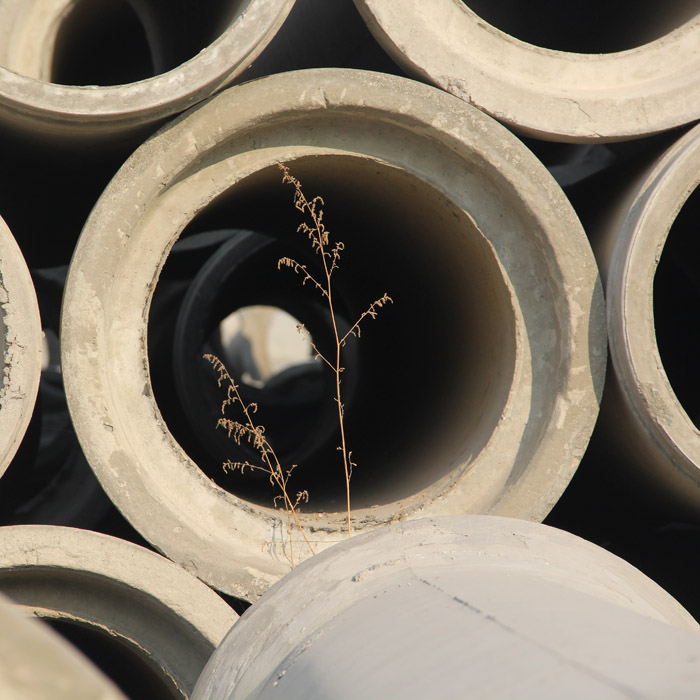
(646, 251)
(20, 346)
(476, 390)
(65, 72)
(551, 70)
(37, 664)
(132, 611)
(459, 607)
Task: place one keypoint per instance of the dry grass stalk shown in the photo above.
(315, 230)
(247, 430)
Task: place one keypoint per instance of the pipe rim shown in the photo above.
(544, 93)
(112, 570)
(166, 178)
(633, 348)
(21, 324)
(87, 109)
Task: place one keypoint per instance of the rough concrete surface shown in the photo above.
(549, 94)
(20, 346)
(478, 221)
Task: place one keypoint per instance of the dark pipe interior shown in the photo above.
(677, 307)
(431, 373)
(118, 661)
(594, 26)
(114, 42)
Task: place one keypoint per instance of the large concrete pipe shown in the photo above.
(459, 607)
(188, 54)
(20, 346)
(646, 250)
(38, 664)
(476, 391)
(142, 619)
(590, 72)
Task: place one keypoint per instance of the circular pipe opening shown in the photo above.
(427, 381)
(117, 660)
(593, 27)
(677, 307)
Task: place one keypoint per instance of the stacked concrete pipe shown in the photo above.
(644, 417)
(459, 607)
(636, 88)
(485, 374)
(20, 346)
(32, 33)
(116, 600)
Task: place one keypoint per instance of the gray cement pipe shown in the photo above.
(118, 599)
(34, 34)
(613, 92)
(484, 375)
(20, 346)
(460, 607)
(38, 664)
(644, 416)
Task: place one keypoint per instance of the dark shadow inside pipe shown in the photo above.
(116, 42)
(592, 27)
(677, 307)
(429, 377)
(101, 44)
(118, 661)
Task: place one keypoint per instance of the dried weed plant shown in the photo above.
(314, 229)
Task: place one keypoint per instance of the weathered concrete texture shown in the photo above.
(549, 94)
(460, 607)
(20, 346)
(455, 216)
(38, 664)
(29, 101)
(170, 620)
(645, 417)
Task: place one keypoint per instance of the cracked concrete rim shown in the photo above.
(538, 382)
(20, 326)
(165, 616)
(472, 560)
(671, 440)
(548, 94)
(53, 110)
(38, 664)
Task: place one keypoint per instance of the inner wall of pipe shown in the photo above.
(116, 42)
(431, 374)
(676, 304)
(593, 26)
(117, 660)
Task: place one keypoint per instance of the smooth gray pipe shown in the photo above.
(461, 607)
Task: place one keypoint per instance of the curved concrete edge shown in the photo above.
(20, 346)
(547, 94)
(550, 389)
(38, 664)
(475, 595)
(80, 112)
(165, 615)
(663, 439)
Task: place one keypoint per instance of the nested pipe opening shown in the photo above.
(116, 42)
(586, 27)
(676, 307)
(117, 660)
(427, 381)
